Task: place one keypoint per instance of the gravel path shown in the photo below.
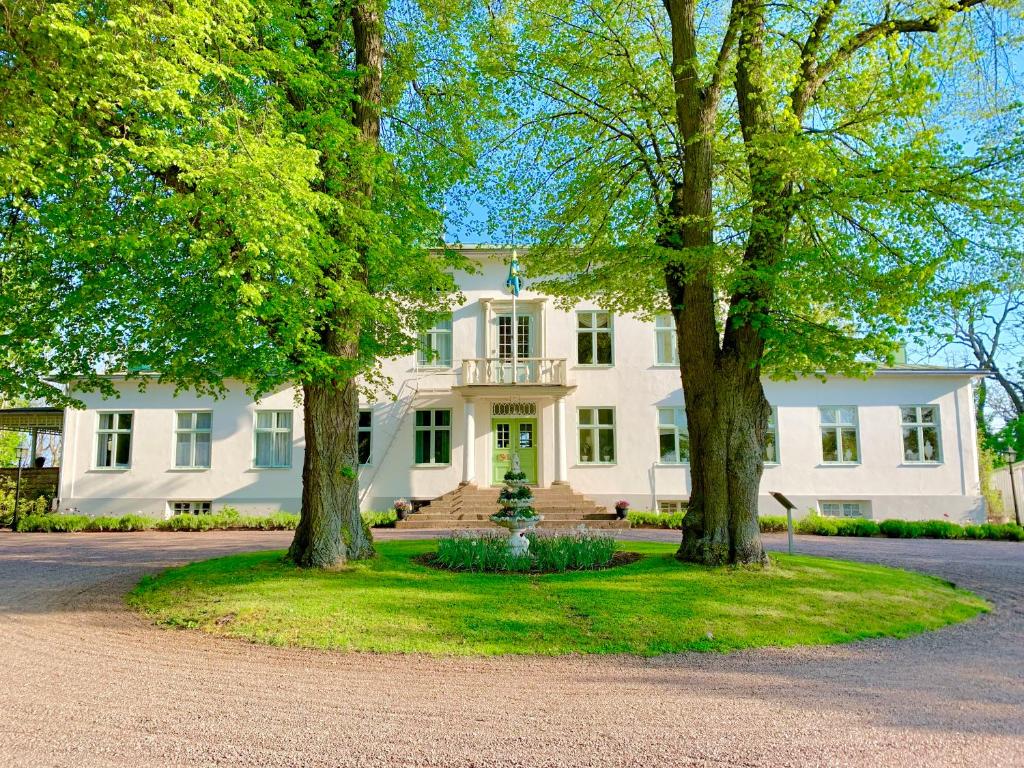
(87, 683)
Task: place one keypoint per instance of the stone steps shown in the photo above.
(469, 507)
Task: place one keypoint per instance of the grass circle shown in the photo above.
(392, 604)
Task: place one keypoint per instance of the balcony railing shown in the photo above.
(544, 371)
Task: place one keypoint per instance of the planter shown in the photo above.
(621, 512)
(518, 527)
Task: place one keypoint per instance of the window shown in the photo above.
(594, 338)
(839, 443)
(434, 437)
(842, 509)
(192, 439)
(114, 440)
(673, 437)
(524, 348)
(771, 438)
(189, 507)
(597, 435)
(671, 506)
(273, 439)
(365, 433)
(436, 346)
(921, 433)
(665, 350)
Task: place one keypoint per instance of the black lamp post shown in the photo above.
(22, 453)
(1011, 456)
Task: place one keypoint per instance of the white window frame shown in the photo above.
(429, 341)
(434, 429)
(838, 426)
(676, 430)
(671, 506)
(274, 430)
(368, 431)
(665, 330)
(593, 332)
(919, 426)
(192, 431)
(189, 507)
(773, 428)
(114, 433)
(827, 508)
(595, 428)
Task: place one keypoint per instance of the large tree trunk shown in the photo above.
(331, 529)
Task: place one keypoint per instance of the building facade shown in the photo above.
(585, 397)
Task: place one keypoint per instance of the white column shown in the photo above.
(561, 465)
(469, 445)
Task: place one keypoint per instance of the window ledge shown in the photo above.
(592, 464)
(906, 463)
(109, 469)
(826, 464)
(673, 463)
(188, 469)
(262, 469)
(666, 366)
(591, 366)
(431, 466)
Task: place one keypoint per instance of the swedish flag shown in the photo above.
(514, 282)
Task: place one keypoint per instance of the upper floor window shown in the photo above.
(273, 439)
(673, 436)
(192, 435)
(597, 435)
(524, 336)
(839, 441)
(921, 433)
(114, 440)
(665, 350)
(594, 338)
(435, 350)
(365, 436)
(434, 436)
(771, 438)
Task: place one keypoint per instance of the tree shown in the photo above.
(778, 176)
(231, 190)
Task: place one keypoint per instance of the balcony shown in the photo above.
(528, 371)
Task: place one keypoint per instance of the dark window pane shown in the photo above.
(124, 421)
(604, 349)
(364, 447)
(442, 418)
(850, 452)
(606, 444)
(124, 444)
(667, 447)
(586, 445)
(911, 450)
(585, 348)
(422, 418)
(364, 419)
(829, 448)
(931, 449)
(442, 446)
(423, 447)
(770, 449)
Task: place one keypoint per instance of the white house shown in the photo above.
(591, 400)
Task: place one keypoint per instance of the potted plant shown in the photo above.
(621, 508)
(402, 508)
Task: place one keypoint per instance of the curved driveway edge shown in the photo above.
(88, 683)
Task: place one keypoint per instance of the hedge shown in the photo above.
(227, 518)
(819, 525)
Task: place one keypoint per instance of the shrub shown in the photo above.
(856, 526)
(580, 550)
(641, 519)
(941, 529)
(817, 525)
(134, 523)
(772, 524)
(278, 521)
(385, 519)
(897, 529)
(186, 523)
(53, 523)
(103, 524)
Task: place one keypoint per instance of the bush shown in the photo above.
(53, 523)
(772, 524)
(640, 519)
(386, 519)
(817, 525)
(103, 524)
(581, 550)
(278, 521)
(134, 523)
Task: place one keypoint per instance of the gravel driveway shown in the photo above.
(87, 683)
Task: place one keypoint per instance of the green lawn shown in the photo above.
(655, 605)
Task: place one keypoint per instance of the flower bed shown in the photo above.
(549, 553)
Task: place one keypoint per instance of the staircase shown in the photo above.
(470, 507)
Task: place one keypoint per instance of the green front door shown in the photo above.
(510, 436)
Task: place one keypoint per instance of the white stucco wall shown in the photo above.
(634, 386)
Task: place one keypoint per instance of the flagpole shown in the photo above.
(515, 332)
